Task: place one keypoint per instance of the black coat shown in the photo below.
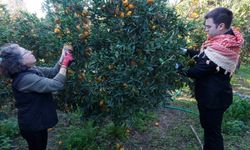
(36, 111)
(212, 88)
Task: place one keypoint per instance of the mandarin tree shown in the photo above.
(134, 47)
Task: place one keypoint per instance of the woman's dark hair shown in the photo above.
(220, 15)
(10, 60)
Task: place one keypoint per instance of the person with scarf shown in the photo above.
(32, 88)
(215, 64)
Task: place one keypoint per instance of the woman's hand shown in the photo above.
(66, 48)
(68, 58)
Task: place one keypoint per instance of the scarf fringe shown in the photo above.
(225, 73)
(218, 68)
(208, 62)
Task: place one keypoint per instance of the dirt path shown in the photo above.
(172, 133)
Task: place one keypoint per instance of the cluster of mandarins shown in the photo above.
(83, 27)
(128, 8)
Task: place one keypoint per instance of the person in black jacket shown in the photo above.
(32, 88)
(215, 64)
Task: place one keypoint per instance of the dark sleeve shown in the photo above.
(201, 69)
(192, 53)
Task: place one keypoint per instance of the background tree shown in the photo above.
(194, 11)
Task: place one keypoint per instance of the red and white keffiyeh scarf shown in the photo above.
(224, 50)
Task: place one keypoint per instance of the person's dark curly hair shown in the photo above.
(11, 60)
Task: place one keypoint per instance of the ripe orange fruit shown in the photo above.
(129, 13)
(122, 148)
(86, 27)
(78, 27)
(125, 2)
(122, 14)
(196, 46)
(131, 6)
(150, 2)
(86, 34)
(194, 15)
(101, 103)
(57, 30)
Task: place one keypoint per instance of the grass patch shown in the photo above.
(141, 120)
(244, 71)
(9, 130)
(9, 127)
(237, 117)
(243, 74)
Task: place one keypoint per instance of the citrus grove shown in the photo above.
(125, 54)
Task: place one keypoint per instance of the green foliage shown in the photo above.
(239, 110)
(5, 20)
(234, 127)
(9, 127)
(36, 35)
(112, 131)
(71, 24)
(89, 136)
(236, 117)
(140, 120)
(244, 72)
(5, 93)
(242, 21)
(5, 142)
(4, 84)
(131, 66)
(80, 137)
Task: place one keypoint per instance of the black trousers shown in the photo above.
(37, 140)
(211, 120)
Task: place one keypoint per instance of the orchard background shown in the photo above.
(124, 70)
